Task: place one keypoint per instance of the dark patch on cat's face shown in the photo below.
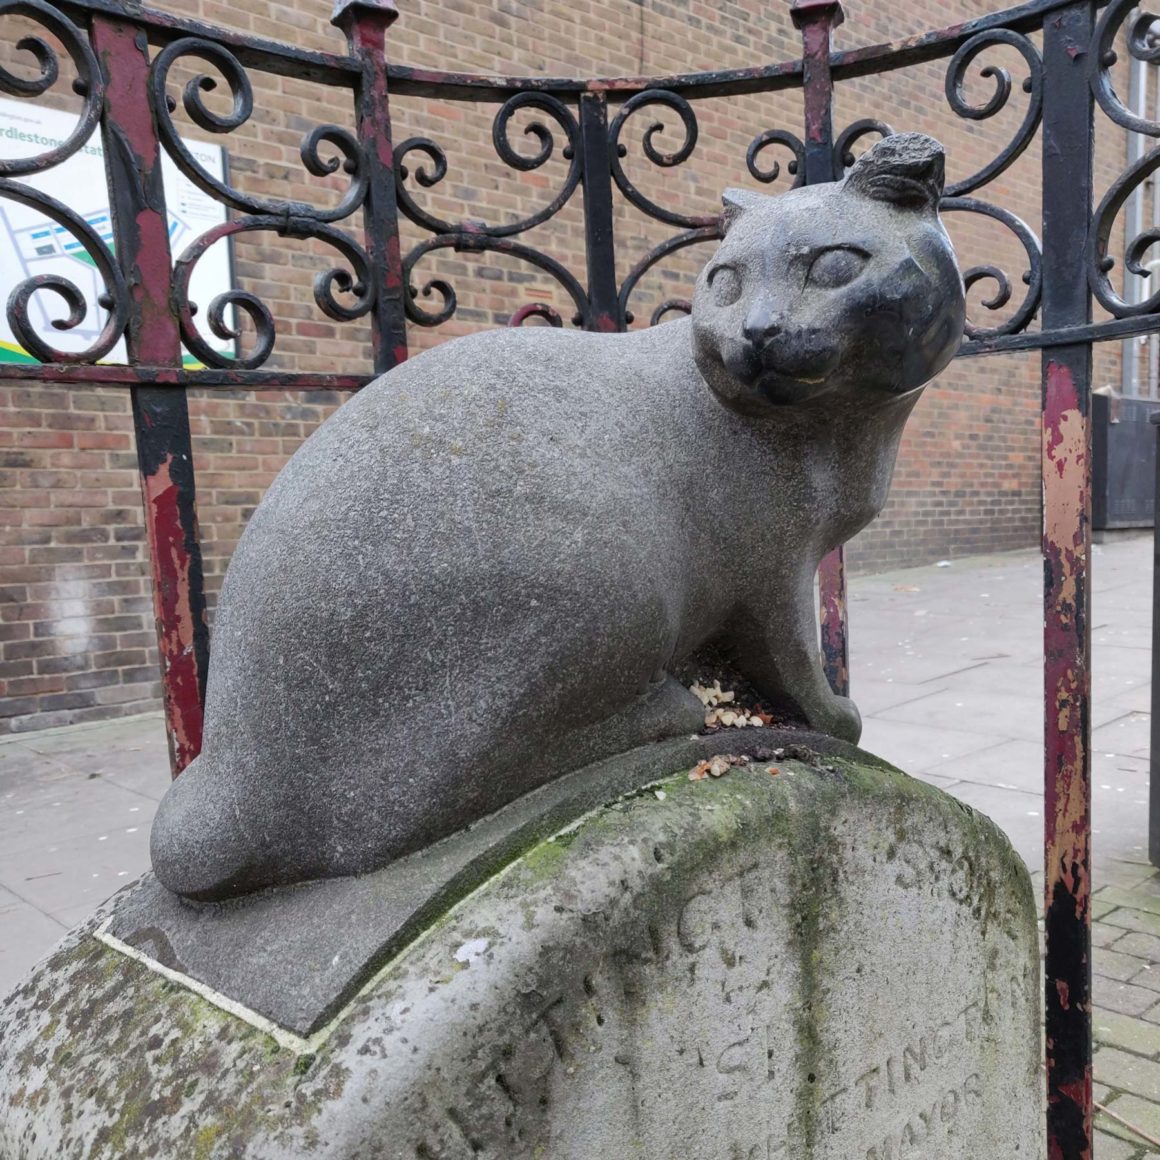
(849, 289)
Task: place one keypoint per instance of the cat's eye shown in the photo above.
(725, 283)
(836, 266)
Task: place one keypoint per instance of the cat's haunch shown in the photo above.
(482, 571)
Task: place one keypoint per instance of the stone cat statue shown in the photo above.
(481, 572)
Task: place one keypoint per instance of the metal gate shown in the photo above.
(123, 53)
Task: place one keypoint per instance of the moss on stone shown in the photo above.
(164, 1071)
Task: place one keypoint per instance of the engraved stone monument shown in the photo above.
(465, 869)
(829, 962)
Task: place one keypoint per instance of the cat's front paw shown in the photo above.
(839, 717)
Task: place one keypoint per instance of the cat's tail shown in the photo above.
(200, 844)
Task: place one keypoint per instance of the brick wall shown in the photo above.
(75, 619)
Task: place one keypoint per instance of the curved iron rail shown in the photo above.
(230, 55)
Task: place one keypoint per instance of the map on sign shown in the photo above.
(32, 244)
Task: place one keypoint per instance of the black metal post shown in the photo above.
(1154, 748)
(1068, 147)
(603, 304)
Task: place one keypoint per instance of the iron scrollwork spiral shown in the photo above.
(428, 165)
(355, 280)
(671, 245)
(428, 177)
(115, 298)
(89, 84)
(1099, 261)
(796, 167)
(1032, 85)
(697, 228)
(481, 243)
(617, 151)
(1143, 45)
(537, 310)
(1032, 277)
(347, 155)
(850, 135)
(325, 150)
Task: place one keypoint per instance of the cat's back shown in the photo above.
(532, 371)
(539, 399)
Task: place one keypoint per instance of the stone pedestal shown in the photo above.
(810, 957)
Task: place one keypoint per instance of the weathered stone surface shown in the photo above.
(294, 955)
(831, 963)
(484, 570)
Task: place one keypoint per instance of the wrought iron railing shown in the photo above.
(124, 57)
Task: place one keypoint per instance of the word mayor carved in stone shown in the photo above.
(484, 570)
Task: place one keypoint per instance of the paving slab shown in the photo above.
(1125, 998)
(1144, 946)
(1008, 765)
(1140, 1112)
(1126, 736)
(1128, 1034)
(1125, 918)
(920, 749)
(1111, 1148)
(1115, 964)
(1125, 1072)
(28, 935)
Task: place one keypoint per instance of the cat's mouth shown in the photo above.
(790, 369)
(782, 390)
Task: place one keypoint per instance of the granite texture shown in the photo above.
(483, 570)
(830, 962)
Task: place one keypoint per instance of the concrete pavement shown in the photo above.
(946, 667)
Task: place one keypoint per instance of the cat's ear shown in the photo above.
(907, 169)
(736, 202)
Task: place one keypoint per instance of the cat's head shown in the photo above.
(850, 287)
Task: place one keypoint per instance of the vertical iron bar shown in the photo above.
(160, 414)
(365, 24)
(604, 307)
(817, 19)
(1154, 746)
(1066, 464)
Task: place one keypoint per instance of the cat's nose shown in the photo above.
(761, 326)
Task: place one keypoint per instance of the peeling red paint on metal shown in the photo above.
(834, 625)
(175, 619)
(124, 59)
(1067, 772)
(817, 19)
(816, 40)
(366, 30)
(133, 157)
